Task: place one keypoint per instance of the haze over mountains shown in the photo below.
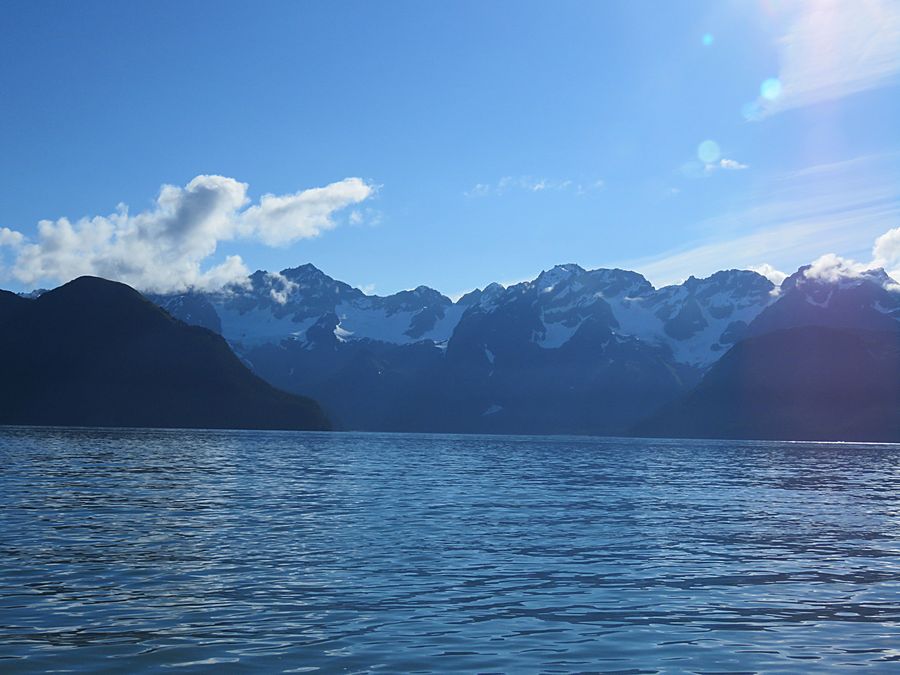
(572, 351)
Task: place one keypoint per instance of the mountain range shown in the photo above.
(571, 351)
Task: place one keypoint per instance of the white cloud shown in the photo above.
(508, 184)
(832, 268)
(770, 273)
(695, 169)
(479, 190)
(282, 287)
(164, 248)
(10, 237)
(280, 220)
(886, 252)
(834, 48)
(366, 216)
(885, 255)
(732, 165)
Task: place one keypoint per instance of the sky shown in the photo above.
(451, 144)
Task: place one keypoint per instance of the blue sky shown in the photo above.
(452, 144)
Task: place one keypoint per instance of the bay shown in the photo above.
(152, 550)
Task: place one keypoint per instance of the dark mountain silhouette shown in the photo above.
(97, 353)
(10, 302)
(805, 383)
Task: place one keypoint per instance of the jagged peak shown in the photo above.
(421, 293)
(572, 268)
(729, 279)
(625, 279)
(615, 272)
(470, 298)
(735, 273)
(558, 273)
(730, 275)
(305, 270)
(549, 279)
(32, 294)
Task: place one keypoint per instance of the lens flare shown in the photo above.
(752, 111)
(770, 89)
(707, 39)
(708, 152)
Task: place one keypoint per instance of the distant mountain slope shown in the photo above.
(95, 352)
(809, 383)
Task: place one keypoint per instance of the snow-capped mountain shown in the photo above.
(696, 320)
(273, 307)
(572, 350)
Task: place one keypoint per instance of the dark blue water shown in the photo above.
(128, 550)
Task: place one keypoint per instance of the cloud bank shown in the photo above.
(164, 248)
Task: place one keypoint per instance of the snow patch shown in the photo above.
(341, 333)
(556, 334)
(259, 326)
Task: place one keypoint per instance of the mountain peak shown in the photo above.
(558, 273)
(616, 282)
(416, 298)
(97, 287)
(571, 268)
(305, 270)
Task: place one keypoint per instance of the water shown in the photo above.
(123, 550)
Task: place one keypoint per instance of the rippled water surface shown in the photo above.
(123, 550)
